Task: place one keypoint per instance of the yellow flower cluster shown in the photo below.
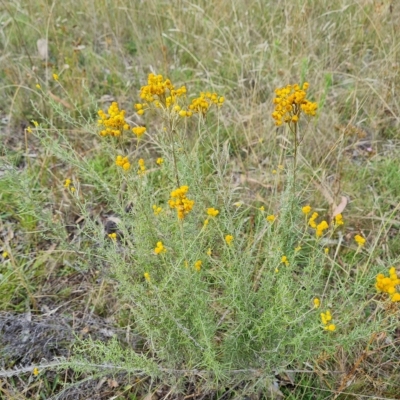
(339, 220)
(290, 101)
(180, 202)
(160, 248)
(202, 103)
(326, 317)
(123, 162)
(157, 210)
(161, 93)
(67, 185)
(388, 284)
(139, 131)
(114, 123)
(321, 227)
(312, 222)
(284, 260)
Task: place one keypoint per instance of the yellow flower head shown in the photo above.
(197, 265)
(5, 254)
(139, 131)
(209, 252)
(321, 227)
(312, 222)
(123, 162)
(157, 210)
(339, 220)
(317, 302)
(36, 371)
(212, 212)
(160, 248)
(271, 218)
(55, 77)
(285, 260)
(360, 240)
(330, 327)
(159, 161)
(229, 239)
(306, 209)
(147, 276)
(112, 236)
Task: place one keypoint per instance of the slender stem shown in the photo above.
(171, 137)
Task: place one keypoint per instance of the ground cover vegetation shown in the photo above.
(199, 201)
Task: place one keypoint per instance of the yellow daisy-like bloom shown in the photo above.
(159, 161)
(360, 240)
(67, 183)
(5, 254)
(36, 371)
(229, 239)
(112, 236)
(38, 86)
(147, 276)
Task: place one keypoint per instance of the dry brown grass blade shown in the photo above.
(340, 208)
(59, 100)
